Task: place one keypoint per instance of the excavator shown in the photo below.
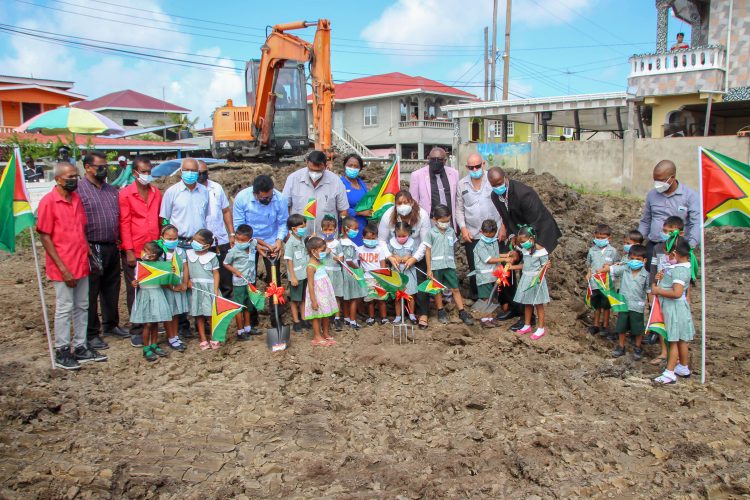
(274, 122)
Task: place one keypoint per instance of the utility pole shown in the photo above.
(506, 65)
(486, 57)
(493, 61)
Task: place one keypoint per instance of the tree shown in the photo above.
(182, 121)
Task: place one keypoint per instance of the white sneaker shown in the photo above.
(682, 371)
(665, 378)
(397, 320)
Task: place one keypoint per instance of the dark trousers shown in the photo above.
(469, 249)
(128, 274)
(267, 267)
(421, 300)
(225, 277)
(104, 290)
(649, 253)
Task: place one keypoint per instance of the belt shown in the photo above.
(102, 243)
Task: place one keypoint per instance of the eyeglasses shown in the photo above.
(474, 167)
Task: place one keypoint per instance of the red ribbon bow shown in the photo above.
(401, 294)
(502, 276)
(273, 290)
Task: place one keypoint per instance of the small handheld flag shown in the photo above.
(587, 298)
(539, 277)
(391, 281)
(257, 298)
(222, 312)
(157, 272)
(311, 209)
(431, 286)
(382, 196)
(656, 320)
(177, 265)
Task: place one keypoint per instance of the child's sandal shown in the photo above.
(215, 345)
(319, 343)
(204, 346)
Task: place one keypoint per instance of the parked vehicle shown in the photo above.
(170, 167)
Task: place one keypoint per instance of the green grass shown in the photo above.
(581, 189)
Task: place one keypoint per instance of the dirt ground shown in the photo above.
(464, 412)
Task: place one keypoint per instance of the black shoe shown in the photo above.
(178, 346)
(149, 354)
(255, 332)
(337, 326)
(637, 354)
(64, 360)
(520, 323)
(297, 327)
(618, 351)
(118, 332)
(593, 330)
(465, 317)
(506, 315)
(85, 354)
(159, 351)
(97, 343)
(243, 336)
(306, 325)
(612, 336)
(354, 325)
(136, 340)
(442, 316)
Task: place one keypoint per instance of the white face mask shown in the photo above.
(403, 210)
(144, 179)
(443, 225)
(662, 186)
(314, 176)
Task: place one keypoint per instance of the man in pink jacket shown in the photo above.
(435, 184)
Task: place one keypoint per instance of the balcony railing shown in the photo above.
(6, 130)
(679, 61)
(444, 124)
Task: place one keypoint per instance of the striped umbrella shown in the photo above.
(71, 120)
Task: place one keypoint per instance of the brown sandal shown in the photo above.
(657, 361)
(423, 322)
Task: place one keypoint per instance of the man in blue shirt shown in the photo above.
(265, 210)
(185, 204)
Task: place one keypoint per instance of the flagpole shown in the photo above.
(703, 271)
(41, 299)
(433, 279)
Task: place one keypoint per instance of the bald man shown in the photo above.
(435, 184)
(472, 208)
(669, 198)
(185, 204)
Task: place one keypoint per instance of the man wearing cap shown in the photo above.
(316, 182)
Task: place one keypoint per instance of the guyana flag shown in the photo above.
(431, 286)
(726, 190)
(357, 273)
(391, 281)
(176, 268)
(381, 197)
(15, 210)
(656, 320)
(538, 278)
(607, 287)
(257, 297)
(587, 298)
(311, 209)
(222, 312)
(157, 272)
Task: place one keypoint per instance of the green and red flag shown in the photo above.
(311, 209)
(656, 320)
(431, 286)
(587, 298)
(177, 268)
(605, 285)
(15, 209)
(391, 281)
(357, 273)
(726, 190)
(382, 196)
(257, 298)
(156, 272)
(222, 312)
(539, 277)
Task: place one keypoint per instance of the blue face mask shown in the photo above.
(301, 232)
(329, 236)
(370, 243)
(189, 177)
(635, 264)
(626, 248)
(351, 173)
(323, 255)
(476, 174)
(601, 243)
(242, 245)
(500, 190)
(170, 244)
(664, 236)
(488, 239)
(196, 246)
(352, 233)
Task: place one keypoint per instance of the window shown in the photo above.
(568, 132)
(129, 122)
(30, 110)
(371, 116)
(496, 128)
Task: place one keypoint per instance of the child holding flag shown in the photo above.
(354, 287)
(600, 254)
(441, 263)
(203, 267)
(373, 254)
(486, 256)
(151, 306)
(320, 303)
(295, 256)
(672, 288)
(333, 268)
(177, 295)
(403, 247)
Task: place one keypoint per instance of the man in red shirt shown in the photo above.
(61, 223)
(139, 223)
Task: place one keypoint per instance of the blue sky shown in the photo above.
(557, 46)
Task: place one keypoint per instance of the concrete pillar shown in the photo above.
(536, 141)
(628, 159)
(420, 108)
(420, 151)
(398, 150)
(662, 25)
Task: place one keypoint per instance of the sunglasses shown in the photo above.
(474, 167)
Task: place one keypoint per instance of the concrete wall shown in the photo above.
(597, 165)
(739, 52)
(145, 118)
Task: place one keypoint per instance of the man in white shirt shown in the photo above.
(219, 222)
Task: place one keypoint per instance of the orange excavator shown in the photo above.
(274, 123)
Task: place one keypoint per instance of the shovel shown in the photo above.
(485, 306)
(278, 338)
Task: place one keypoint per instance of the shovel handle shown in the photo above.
(273, 279)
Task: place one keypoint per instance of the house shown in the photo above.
(23, 98)
(394, 113)
(133, 110)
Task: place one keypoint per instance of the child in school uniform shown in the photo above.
(328, 229)
(320, 302)
(486, 258)
(353, 289)
(441, 265)
(600, 254)
(151, 307)
(177, 295)
(633, 237)
(373, 254)
(203, 267)
(671, 288)
(402, 247)
(295, 257)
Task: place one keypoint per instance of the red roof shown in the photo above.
(390, 83)
(99, 142)
(130, 99)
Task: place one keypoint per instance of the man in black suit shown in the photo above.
(518, 204)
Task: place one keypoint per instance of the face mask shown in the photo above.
(672, 260)
(352, 233)
(370, 243)
(196, 246)
(601, 243)
(436, 165)
(203, 176)
(101, 173)
(242, 245)
(488, 239)
(661, 186)
(476, 174)
(70, 185)
(403, 210)
(443, 225)
(314, 176)
(329, 236)
(301, 232)
(170, 244)
(635, 265)
(189, 177)
(148, 257)
(500, 190)
(351, 173)
(527, 244)
(322, 255)
(145, 179)
(626, 248)
(664, 236)
(402, 239)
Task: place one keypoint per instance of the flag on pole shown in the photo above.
(431, 286)
(587, 298)
(157, 272)
(257, 298)
(382, 196)
(177, 271)
(726, 190)
(605, 285)
(311, 209)
(391, 281)
(222, 312)
(15, 209)
(357, 273)
(656, 320)
(538, 278)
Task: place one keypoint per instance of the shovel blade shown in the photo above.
(484, 306)
(278, 339)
